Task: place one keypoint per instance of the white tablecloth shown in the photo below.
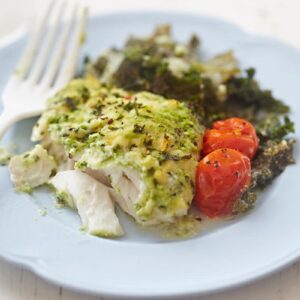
(278, 18)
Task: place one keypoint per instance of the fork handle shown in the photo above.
(6, 120)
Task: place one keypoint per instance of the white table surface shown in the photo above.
(278, 18)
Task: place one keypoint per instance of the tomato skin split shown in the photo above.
(234, 133)
(221, 177)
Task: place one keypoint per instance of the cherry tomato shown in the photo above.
(234, 133)
(234, 139)
(221, 177)
(244, 126)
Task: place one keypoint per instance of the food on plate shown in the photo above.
(146, 147)
(221, 178)
(31, 169)
(165, 67)
(234, 133)
(91, 198)
(214, 89)
(270, 163)
(152, 127)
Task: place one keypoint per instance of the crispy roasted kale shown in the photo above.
(270, 161)
(146, 67)
(246, 91)
(245, 98)
(272, 127)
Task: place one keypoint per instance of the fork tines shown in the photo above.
(51, 55)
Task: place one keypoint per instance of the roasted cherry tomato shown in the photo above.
(244, 126)
(234, 133)
(221, 177)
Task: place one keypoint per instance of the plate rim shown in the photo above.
(36, 266)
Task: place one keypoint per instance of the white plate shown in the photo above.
(141, 264)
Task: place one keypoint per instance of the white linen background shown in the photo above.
(277, 18)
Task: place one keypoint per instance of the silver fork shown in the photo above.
(48, 62)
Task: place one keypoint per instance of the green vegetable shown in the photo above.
(245, 90)
(272, 128)
(267, 165)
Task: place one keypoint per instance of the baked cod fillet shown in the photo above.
(142, 145)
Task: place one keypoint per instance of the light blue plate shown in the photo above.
(140, 264)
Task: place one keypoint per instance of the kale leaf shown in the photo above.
(245, 90)
(271, 127)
